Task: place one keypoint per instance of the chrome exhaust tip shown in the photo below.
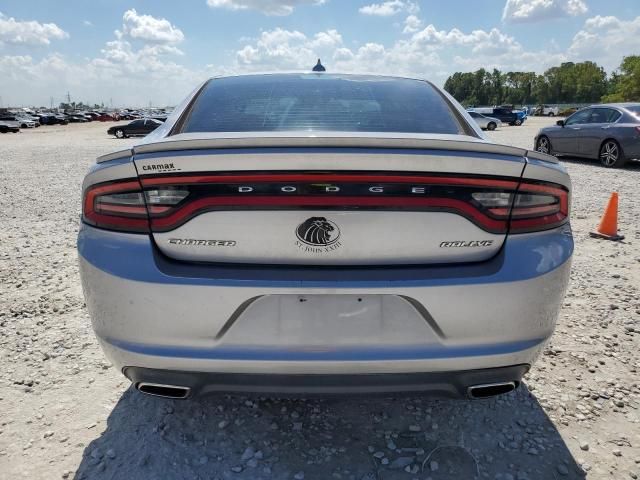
(487, 390)
(164, 391)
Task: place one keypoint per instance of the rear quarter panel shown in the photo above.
(628, 137)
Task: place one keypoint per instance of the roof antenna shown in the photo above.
(319, 67)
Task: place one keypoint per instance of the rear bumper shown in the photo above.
(631, 148)
(451, 384)
(152, 313)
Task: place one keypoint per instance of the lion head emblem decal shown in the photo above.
(318, 231)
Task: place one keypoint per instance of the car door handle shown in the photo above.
(576, 128)
(605, 128)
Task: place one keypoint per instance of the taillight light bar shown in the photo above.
(254, 191)
(164, 203)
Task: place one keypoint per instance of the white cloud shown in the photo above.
(87, 23)
(136, 67)
(130, 77)
(121, 52)
(268, 7)
(28, 32)
(285, 49)
(148, 28)
(389, 8)
(328, 39)
(606, 40)
(480, 41)
(412, 24)
(538, 10)
(427, 53)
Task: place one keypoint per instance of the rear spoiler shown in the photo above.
(335, 140)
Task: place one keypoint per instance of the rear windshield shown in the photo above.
(348, 103)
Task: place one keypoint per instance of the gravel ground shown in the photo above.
(66, 413)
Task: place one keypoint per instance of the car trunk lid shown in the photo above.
(329, 200)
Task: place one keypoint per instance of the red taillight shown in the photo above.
(539, 206)
(534, 206)
(116, 206)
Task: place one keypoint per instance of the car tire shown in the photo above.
(491, 126)
(611, 155)
(119, 133)
(518, 122)
(551, 114)
(543, 145)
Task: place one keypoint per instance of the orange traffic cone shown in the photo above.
(608, 228)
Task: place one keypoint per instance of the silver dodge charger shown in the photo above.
(324, 233)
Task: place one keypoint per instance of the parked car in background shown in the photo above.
(26, 122)
(52, 119)
(46, 119)
(6, 127)
(546, 110)
(484, 122)
(9, 119)
(608, 132)
(140, 127)
(521, 116)
(34, 119)
(297, 233)
(108, 117)
(505, 115)
(77, 119)
(61, 119)
(126, 115)
(17, 120)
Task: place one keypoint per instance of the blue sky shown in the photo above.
(136, 52)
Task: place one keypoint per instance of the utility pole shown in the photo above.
(51, 102)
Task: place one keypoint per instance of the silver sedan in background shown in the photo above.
(484, 122)
(608, 132)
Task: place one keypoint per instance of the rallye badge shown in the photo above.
(467, 243)
(318, 235)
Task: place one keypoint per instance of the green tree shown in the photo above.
(625, 86)
(496, 85)
(570, 82)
